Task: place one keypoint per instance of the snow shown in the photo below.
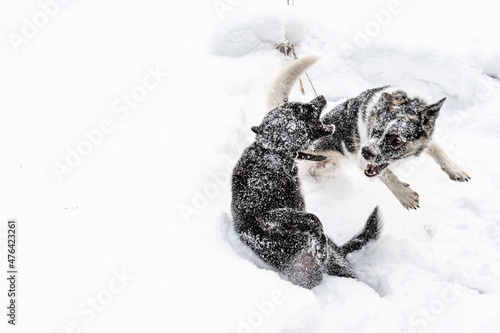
(149, 201)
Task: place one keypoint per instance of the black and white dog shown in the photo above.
(377, 128)
(267, 204)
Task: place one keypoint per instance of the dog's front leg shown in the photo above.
(402, 191)
(452, 169)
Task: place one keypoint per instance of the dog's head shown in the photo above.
(398, 127)
(292, 126)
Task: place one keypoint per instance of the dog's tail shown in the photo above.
(370, 232)
(283, 84)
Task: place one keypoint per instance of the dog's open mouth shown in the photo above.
(329, 128)
(324, 130)
(373, 170)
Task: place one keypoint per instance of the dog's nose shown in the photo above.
(367, 153)
(319, 102)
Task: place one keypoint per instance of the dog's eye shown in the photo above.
(395, 140)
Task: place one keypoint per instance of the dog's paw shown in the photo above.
(408, 198)
(456, 173)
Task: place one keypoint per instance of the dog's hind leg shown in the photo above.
(291, 241)
(408, 198)
(304, 270)
(452, 169)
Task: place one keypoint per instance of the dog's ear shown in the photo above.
(386, 98)
(256, 130)
(391, 101)
(431, 112)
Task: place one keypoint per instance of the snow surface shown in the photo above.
(150, 200)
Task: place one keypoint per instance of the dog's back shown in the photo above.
(263, 181)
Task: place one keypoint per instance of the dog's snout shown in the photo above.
(319, 102)
(367, 153)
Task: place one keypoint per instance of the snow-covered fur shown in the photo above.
(268, 207)
(382, 126)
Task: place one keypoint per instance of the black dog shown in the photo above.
(268, 207)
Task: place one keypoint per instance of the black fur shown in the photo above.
(269, 209)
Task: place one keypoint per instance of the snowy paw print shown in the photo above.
(408, 198)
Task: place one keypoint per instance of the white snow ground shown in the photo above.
(135, 237)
